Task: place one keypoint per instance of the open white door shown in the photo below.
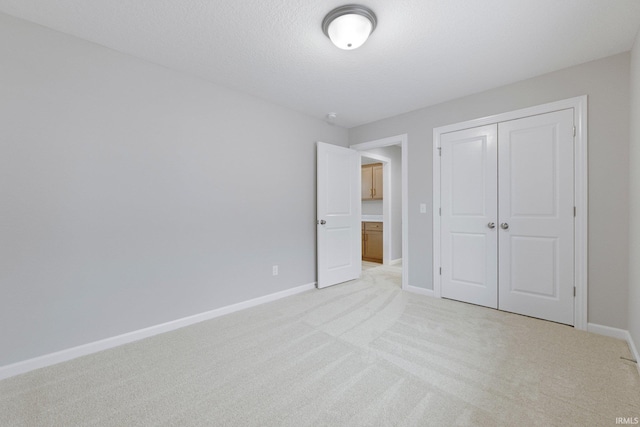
(339, 227)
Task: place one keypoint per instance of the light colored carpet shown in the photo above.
(367, 265)
(363, 353)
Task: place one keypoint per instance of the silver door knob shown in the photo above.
(323, 222)
(504, 226)
(491, 225)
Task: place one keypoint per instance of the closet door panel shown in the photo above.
(536, 233)
(469, 207)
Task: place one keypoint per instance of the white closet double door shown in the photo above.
(507, 220)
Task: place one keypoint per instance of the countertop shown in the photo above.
(372, 218)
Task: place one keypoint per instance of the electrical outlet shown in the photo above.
(275, 270)
(423, 208)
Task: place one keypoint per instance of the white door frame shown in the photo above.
(579, 105)
(387, 232)
(402, 141)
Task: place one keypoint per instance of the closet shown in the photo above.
(507, 215)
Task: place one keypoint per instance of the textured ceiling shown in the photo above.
(423, 51)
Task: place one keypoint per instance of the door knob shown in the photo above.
(323, 222)
(491, 225)
(504, 226)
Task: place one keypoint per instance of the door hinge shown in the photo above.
(441, 271)
(574, 131)
(575, 210)
(574, 291)
(439, 151)
(440, 211)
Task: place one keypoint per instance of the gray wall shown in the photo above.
(372, 207)
(634, 193)
(606, 82)
(132, 195)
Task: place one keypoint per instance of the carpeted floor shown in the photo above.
(363, 353)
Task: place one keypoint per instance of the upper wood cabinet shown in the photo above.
(372, 182)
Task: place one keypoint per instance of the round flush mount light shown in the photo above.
(349, 26)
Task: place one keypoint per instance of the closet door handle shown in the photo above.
(491, 225)
(504, 226)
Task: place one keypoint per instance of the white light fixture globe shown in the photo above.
(349, 26)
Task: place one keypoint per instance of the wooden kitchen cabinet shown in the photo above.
(372, 182)
(372, 241)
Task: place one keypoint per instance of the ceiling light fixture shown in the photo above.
(349, 26)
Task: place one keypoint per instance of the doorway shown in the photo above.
(378, 218)
(395, 239)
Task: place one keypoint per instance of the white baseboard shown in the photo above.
(608, 331)
(617, 333)
(107, 343)
(634, 350)
(421, 291)
(395, 261)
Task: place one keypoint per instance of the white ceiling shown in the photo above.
(423, 52)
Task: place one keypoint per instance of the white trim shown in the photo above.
(387, 231)
(435, 214)
(395, 261)
(608, 331)
(518, 114)
(581, 194)
(634, 350)
(107, 343)
(403, 141)
(620, 334)
(579, 104)
(420, 291)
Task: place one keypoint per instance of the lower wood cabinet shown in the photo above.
(372, 241)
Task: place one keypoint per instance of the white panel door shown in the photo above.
(469, 215)
(338, 215)
(536, 209)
